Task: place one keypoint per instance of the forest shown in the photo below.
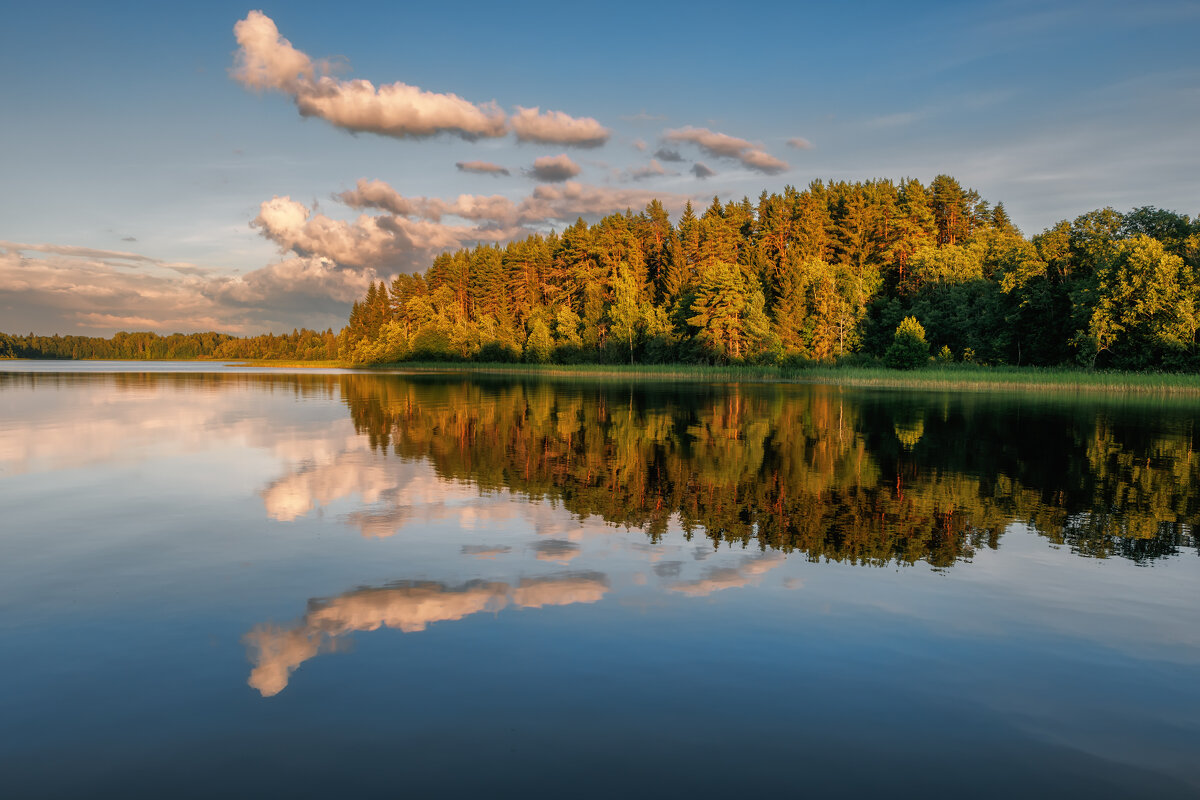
(826, 274)
(299, 345)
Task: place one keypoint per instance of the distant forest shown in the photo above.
(825, 274)
(301, 345)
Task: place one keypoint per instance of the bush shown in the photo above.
(909, 349)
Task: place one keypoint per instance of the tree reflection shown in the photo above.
(867, 478)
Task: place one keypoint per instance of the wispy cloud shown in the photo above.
(651, 170)
(642, 116)
(720, 145)
(481, 167)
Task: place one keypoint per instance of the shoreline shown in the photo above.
(967, 378)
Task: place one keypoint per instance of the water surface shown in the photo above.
(218, 580)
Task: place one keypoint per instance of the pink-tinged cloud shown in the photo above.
(555, 127)
(571, 200)
(377, 194)
(64, 289)
(481, 167)
(547, 203)
(799, 143)
(554, 169)
(385, 243)
(720, 145)
(266, 60)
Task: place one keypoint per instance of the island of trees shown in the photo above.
(838, 272)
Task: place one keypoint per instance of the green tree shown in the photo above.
(909, 349)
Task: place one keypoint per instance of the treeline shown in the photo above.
(301, 345)
(825, 274)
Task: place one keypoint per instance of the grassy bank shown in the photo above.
(958, 377)
(945, 377)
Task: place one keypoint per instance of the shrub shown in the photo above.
(909, 349)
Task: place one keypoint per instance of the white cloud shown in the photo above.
(266, 60)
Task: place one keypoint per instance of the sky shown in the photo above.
(219, 166)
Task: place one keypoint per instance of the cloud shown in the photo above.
(97, 292)
(392, 242)
(482, 167)
(799, 143)
(669, 155)
(554, 169)
(128, 238)
(555, 127)
(79, 252)
(701, 170)
(328, 263)
(720, 145)
(571, 199)
(639, 145)
(265, 60)
(651, 170)
(378, 194)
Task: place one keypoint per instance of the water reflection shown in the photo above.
(869, 478)
(861, 477)
(276, 652)
(201, 519)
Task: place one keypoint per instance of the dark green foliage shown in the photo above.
(299, 345)
(909, 349)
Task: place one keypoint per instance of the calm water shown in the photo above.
(332, 584)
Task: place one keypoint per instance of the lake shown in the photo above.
(216, 580)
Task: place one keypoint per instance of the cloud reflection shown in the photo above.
(276, 652)
(721, 578)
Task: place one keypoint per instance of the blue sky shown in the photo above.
(135, 161)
